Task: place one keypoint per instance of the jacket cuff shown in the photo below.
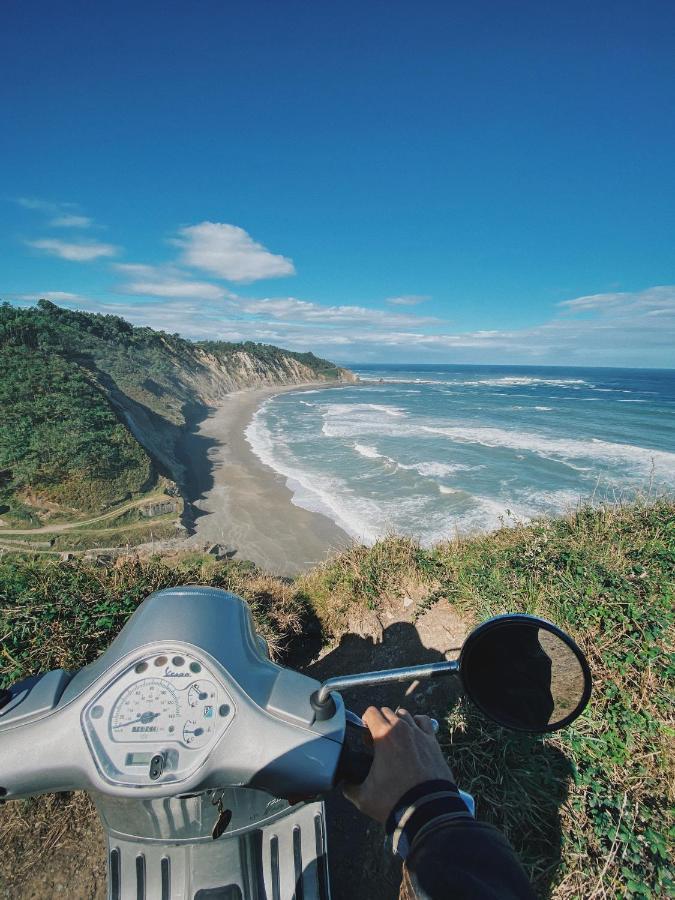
(427, 804)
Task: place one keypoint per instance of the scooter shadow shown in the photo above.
(519, 781)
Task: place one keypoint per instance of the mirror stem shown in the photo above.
(407, 673)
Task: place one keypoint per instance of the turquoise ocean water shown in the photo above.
(433, 451)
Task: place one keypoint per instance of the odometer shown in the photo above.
(147, 710)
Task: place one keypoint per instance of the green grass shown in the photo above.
(61, 439)
(143, 532)
(589, 809)
(61, 615)
(608, 578)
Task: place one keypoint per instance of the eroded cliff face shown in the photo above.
(155, 382)
(206, 382)
(216, 377)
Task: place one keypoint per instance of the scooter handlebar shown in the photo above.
(357, 756)
(184, 699)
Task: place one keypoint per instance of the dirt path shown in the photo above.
(68, 526)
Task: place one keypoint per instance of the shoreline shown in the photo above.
(242, 503)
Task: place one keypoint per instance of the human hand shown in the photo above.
(406, 754)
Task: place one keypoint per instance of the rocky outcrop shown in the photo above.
(216, 376)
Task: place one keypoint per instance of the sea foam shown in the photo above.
(568, 448)
(405, 464)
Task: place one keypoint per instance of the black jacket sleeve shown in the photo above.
(448, 855)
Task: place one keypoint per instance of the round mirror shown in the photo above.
(525, 673)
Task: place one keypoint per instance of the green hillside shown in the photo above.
(152, 367)
(72, 382)
(60, 437)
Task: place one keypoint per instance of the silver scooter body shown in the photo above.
(182, 724)
(164, 849)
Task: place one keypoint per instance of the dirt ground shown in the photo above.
(39, 861)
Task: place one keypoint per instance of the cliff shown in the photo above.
(94, 408)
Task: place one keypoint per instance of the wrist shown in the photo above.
(425, 804)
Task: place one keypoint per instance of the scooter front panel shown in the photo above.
(158, 718)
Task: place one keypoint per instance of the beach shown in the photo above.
(242, 503)
(428, 452)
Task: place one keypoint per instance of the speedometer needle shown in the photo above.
(144, 718)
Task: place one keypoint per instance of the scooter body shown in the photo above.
(182, 726)
(164, 848)
(200, 752)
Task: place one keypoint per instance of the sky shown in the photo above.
(482, 182)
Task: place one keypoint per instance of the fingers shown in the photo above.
(380, 721)
(389, 715)
(376, 721)
(405, 715)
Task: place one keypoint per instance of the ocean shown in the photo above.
(436, 451)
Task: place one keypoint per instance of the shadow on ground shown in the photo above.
(519, 782)
(196, 454)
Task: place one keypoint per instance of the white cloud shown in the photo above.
(46, 206)
(193, 289)
(63, 215)
(655, 297)
(138, 270)
(306, 311)
(168, 281)
(407, 300)
(230, 253)
(70, 220)
(54, 296)
(637, 330)
(76, 252)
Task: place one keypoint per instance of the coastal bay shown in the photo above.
(243, 504)
(437, 451)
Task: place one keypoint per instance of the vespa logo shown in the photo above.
(169, 673)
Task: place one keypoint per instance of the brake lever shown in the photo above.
(358, 721)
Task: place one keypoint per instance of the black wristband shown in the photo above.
(420, 806)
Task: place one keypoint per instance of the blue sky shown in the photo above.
(484, 182)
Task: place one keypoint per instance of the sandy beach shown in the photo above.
(244, 504)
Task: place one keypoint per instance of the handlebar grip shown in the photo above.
(356, 757)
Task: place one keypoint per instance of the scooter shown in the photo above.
(195, 746)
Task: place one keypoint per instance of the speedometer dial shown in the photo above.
(147, 710)
(169, 704)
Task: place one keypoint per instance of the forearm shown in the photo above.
(447, 853)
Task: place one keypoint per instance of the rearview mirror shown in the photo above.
(525, 673)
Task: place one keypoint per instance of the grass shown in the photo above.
(144, 532)
(589, 809)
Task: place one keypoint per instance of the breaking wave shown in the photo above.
(433, 465)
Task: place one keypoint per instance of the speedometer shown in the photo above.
(147, 710)
(167, 704)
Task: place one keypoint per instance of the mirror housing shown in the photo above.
(525, 673)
